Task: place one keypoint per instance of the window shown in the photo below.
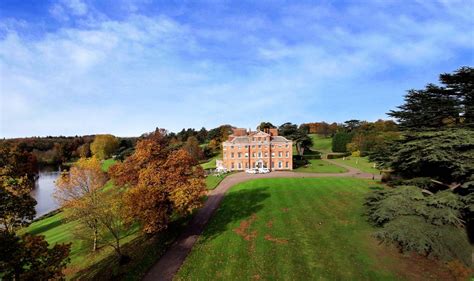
(279, 145)
(259, 138)
(224, 155)
(253, 154)
(273, 154)
(231, 147)
(273, 164)
(280, 154)
(286, 145)
(224, 148)
(259, 146)
(232, 165)
(239, 155)
(286, 164)
(253, 146)
(232, 155)
(273, 145)
(279, 164)
(246, 146)
(246, 155)
(240, 165)
(254, 164)
(287, 155)
(266, 154)
(247, 164)
(259, 154)
(253, 139)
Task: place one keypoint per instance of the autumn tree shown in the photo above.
(17, 207)
(84, 150)
(78, 192)
(110, 214)
(30, 258)
(104, 146)
(192, 147)
(161, 181)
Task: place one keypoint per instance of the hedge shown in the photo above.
(337, 155)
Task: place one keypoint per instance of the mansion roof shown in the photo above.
(250, 138)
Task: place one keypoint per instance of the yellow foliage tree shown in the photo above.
(104, 146)
(78, 192)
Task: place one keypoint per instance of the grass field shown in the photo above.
(320, 166)
(361, 163)
(143, 250)
(321, 143)
(211, 164)
(58, 230)
(213, 180)
(289, 229)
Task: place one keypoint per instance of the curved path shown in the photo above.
(169, 264)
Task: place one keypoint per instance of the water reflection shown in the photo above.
(44, 189)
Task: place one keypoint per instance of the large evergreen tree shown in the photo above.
(435, 107)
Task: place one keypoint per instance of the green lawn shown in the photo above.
(321, 143)
(58, 230)
(361, 163)
(211, 163)
(289, 229)
(213, 180)
(320, 166)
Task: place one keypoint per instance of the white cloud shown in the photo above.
(64, 9)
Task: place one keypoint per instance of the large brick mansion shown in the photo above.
(246, 149)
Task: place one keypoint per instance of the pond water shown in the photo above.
(44, 189)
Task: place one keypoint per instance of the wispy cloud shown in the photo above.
(188, 67)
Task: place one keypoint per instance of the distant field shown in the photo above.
(361, 163)
(211, 164)
(321, 143)
(107, 163)
(290, 229)
(320, 166)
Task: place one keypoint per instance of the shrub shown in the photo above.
(427, 224)
(356, 153)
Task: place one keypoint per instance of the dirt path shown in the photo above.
(171, 261)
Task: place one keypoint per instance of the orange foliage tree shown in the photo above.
(161, 181)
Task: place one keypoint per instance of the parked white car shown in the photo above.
(263, 170)
(251, 171)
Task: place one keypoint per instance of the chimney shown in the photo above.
(273, 132)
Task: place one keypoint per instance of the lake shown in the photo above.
(44, 189)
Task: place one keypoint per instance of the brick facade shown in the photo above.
(245, 149)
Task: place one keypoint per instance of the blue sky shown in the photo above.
(74, 67)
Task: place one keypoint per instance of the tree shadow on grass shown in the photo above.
(234, 207)
(46, 227)
(143, 252)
